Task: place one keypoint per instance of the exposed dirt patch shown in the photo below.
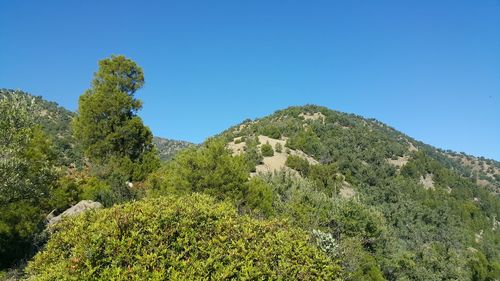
(346, 191)
(237, 146)
(277, 161)
(313, 116)
(399, 162)
(484, 168)
(412, 147)
(272, 163)
(427, 181)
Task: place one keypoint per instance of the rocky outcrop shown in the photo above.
(82, 206)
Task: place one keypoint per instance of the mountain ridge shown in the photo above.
(391, 203)
(56, 122)
(486, 172)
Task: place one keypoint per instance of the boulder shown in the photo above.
(82, 206)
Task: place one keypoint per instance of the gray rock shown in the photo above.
(82, 206)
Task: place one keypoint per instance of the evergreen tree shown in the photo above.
(107, 127)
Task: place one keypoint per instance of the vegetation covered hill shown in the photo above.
(335, 137)
(56, 123)
(439, 208)
(305, 193)
(167, 148)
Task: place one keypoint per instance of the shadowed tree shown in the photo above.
(107, 127)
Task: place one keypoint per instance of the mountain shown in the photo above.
(378, 204)
(359, 145)
(55, 120)
(167, 148)
(435, 212)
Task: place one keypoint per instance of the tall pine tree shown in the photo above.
(107, 127)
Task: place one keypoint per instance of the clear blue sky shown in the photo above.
(428, 68)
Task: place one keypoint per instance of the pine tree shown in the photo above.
(107, 127)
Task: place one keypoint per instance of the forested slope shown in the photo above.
(306, 193)
(438, 212)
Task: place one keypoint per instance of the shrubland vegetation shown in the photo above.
(179, 238)
(378, 205)
(27, 174)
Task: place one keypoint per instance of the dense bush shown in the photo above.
(326, 178)
(210, 169)
(357, 231)
(257, 198)
(27, 176)
(278, 147)
(252, 155)
(298, 163)
(186, 238)
(267, 150)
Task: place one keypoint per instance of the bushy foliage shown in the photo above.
(337, 225)
(253, 155)
(307, 141)
(211, 169)
(186, 238)
(325, 242)
(267, 150)
(394, 228)
(326, 177)
(54, 121)
(278, 147)
(27, 176)
(257, 198)
(298, 163)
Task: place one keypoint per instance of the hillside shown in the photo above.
(357, 143)
(437, 205)
(55, 120)
(361, 199)
(167, 148)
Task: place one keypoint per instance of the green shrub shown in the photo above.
(252, 154)
(97, 190)
(178, 238)
(359, 264)
(210, 169)
(20, 224)
(298, 163)
(270, 131)
(326, 178)
(267, 150)
(278, 147)
(27, 177)
(66, 194)
(258, 198)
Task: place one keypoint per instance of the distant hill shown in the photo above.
(56, 122)
(359, 145)
(167, 148)
(441, 208)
